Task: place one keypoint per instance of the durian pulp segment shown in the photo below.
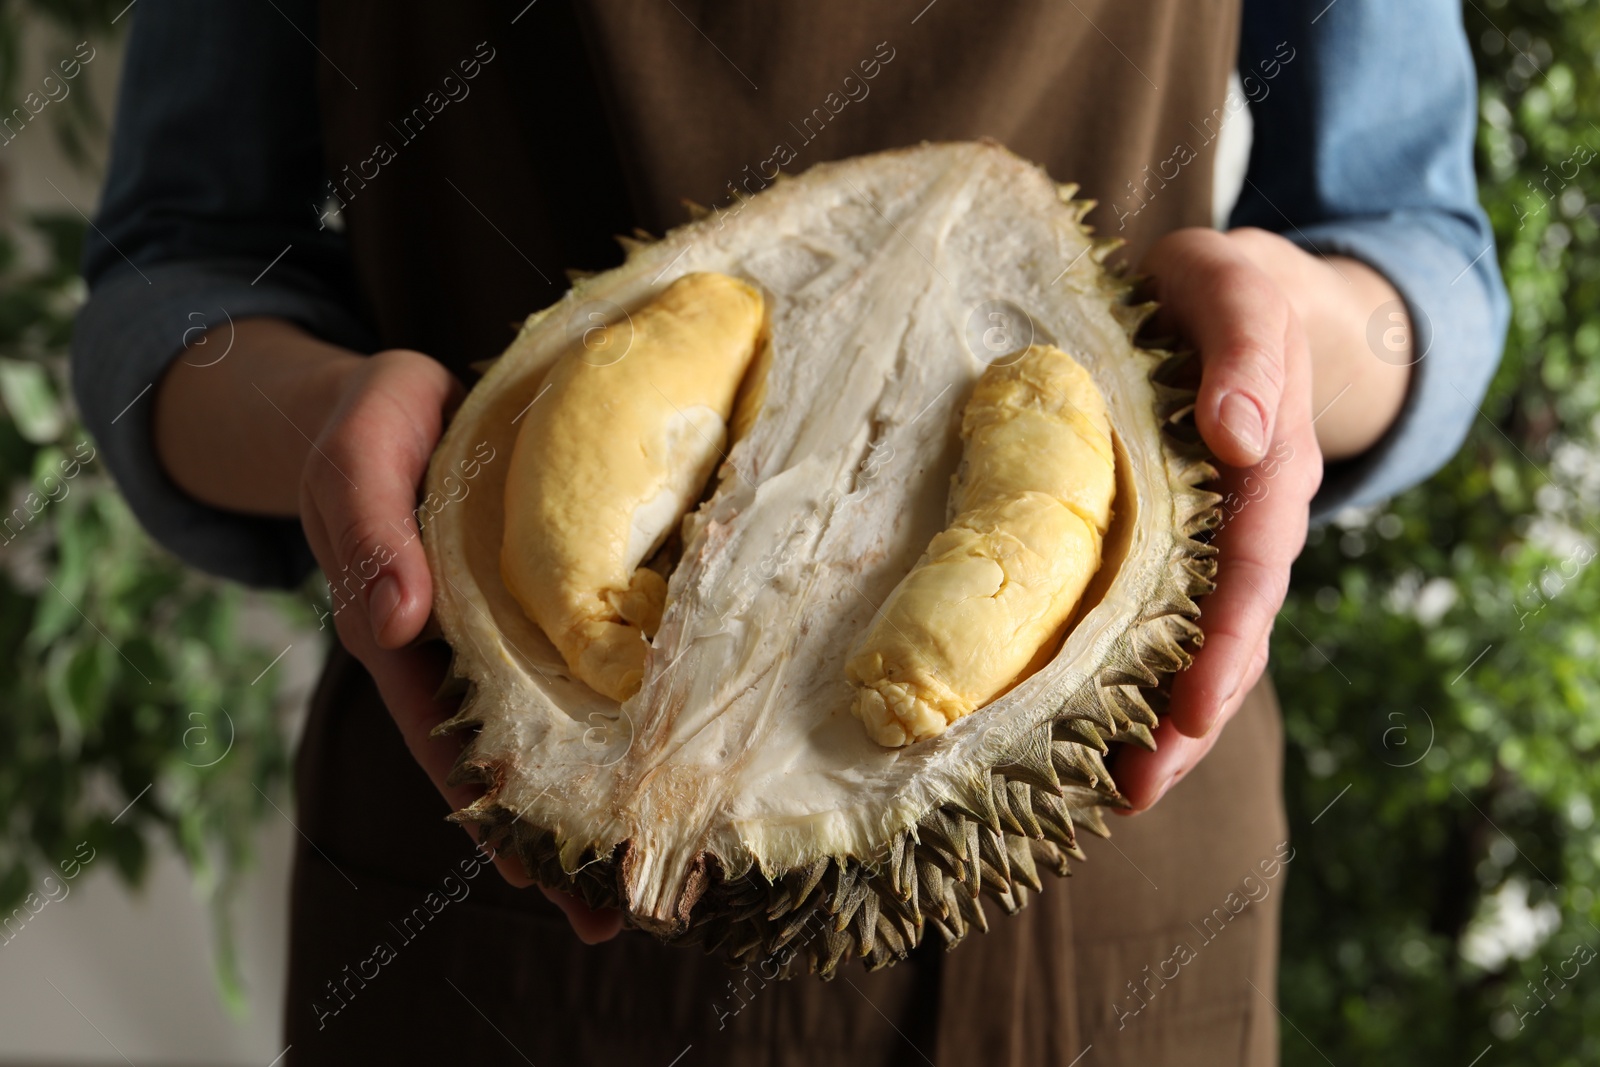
(1031, 504)
(608, 459)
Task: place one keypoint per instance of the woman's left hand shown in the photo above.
(1254, 412)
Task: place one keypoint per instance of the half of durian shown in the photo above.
(734, 801)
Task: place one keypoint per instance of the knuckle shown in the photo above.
(1251, 240)
(1257, 368)
(361, 547)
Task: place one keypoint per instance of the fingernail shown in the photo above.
(382, 603)
(1242, 419)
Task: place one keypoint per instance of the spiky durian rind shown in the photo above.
(991, 837)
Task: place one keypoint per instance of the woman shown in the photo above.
(296, 184)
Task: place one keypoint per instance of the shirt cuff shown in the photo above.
(134, 324)
(1459, 313)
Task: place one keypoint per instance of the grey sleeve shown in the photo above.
(1458, 317)
(210, 214)
(1365, 115)
(137, 322)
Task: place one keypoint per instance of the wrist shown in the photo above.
(234, 432)
(1357, 391)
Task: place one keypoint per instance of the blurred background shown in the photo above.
(1438, 660)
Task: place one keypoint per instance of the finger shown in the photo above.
(363, 476)
(1144, 777)
(406, 679)
(1237, 317)
(592, 925)
(1255, 550)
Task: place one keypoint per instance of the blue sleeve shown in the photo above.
(209, 215)
(1364, 148)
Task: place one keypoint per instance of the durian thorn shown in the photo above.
(931, 882)
(1096, 823)
(835, 945)
(780, 902)
(1030, 763)
(1133, 316)
(975, 802)
(1101, 249)
(844, 880)
(791, 927)
(1128, 705)
(1021, 804)
(803, 884)
(860, 892)
(866, 923)
(696, 211)
(1007, 900)
(1079, 763)
(631, 246)
(1084, 731)
(1139, 734)
(955, 906)
(945, 831)
(910, 906)
(992, 850)
(885, 931)
(1001, 797)
(974, 864)
(1050, 855)
(1055, 817)
(750, 911)
(470, 770)
(1132, 671)
(975, 915)
(946, 861)
(461, 720)
(897, 863)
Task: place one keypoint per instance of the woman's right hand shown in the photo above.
(358, 495)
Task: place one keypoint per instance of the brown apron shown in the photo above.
(480, 149)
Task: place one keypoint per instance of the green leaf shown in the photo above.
(31, 400)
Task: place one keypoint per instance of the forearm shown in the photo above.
(1357, 391)
(235, 430)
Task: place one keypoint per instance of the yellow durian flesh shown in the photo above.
(1031, 504)
(610, 455)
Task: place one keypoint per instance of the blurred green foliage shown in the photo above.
(130, 686)
(77, 123)
(131, 706)
(1438, 657)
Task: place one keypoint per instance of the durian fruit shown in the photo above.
(734, 801)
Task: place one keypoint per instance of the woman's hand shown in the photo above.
(284, 424)
(1245, 299)
(358, 495)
